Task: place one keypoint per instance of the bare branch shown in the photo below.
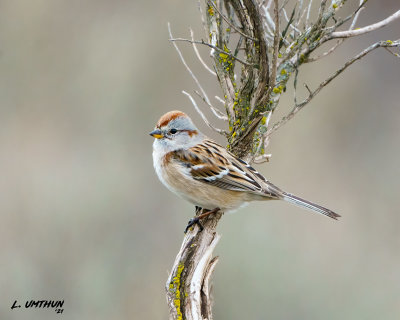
(220, 131)
(311, 95)
(219, 114)
(353, 24)
(372, 27)
(338, 24)
(229, 22)
(187, 67)
(220, 99)
(206, 290)
(212, 47)
(393, 53)
(326, 53)
(308, 13)
(340, 41)
(268, 23)
(197, 280)
(276, 45)
(264, 142)
(189, 277)
(199, 56)
(288, 20)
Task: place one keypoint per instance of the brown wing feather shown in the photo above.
(211, 164)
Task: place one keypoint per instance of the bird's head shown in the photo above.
(175, 130)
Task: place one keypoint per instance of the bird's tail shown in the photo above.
(309, 205)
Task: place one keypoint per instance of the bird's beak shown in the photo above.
(157, 134)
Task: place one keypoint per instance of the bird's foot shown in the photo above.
(192, 222)
(196, 220)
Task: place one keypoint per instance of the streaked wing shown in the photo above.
(210, 163)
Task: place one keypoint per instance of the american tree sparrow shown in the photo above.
(206, 174)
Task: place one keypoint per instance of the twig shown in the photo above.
(299, 15)
(326, 53)
(199, 56)
(353, 23)
(337, 25)
(340, 41)
(308, 13)
(187, 67)
(289, 21)
(277, 35)
(285, 2)
(212, 47)
(372, 27)
(220, 131)
(219, 114)
(311, 95)
(393, 53)
(220, 99)
(264, 141)
(230, 23)
(269, 23)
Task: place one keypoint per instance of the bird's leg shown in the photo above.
(196, 220)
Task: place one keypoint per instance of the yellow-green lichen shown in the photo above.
(263, 120)
(175, 285)
(224, 56)
(277, 89)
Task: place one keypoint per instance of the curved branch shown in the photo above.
(212, 47)
(372, 27)
(220, 131)
(312, 94)
(187, 286)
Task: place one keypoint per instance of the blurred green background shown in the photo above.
(85, 219)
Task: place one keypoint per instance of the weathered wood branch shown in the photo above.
(188, 289)
(367, 29)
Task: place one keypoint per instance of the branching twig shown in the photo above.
(214, 110)
(212, 47)
(199, 56)
(312, 94)
(277, 36)
(187, 67)
(372, 27)
(220, 131)
(230, 23)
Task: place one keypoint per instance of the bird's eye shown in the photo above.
(173, 131)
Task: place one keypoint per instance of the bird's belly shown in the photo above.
(201, 194)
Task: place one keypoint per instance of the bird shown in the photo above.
(207, 175)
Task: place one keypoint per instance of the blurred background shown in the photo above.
(84, 218)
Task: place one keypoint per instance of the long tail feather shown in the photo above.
(309, 205)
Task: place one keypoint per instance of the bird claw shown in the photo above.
(192, 222)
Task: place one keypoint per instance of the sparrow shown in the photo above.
(206, 174)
